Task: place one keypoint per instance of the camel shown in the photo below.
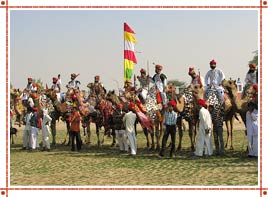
(186, 108)
(229, 112)
(60, 110)
(240, 105)
(145, 120)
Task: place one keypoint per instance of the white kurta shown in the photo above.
(129, 122)
(27, 143)
(214, 77)
(251, 78)
(204, 141)
(46, 129)
(252, 132)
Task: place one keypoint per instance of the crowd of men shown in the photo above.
(124, 118)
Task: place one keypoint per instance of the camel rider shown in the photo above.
(160, 81)
(27, 91)
(73, 83)
(55, 86)
(144, 85)
(214, 78)
(195, 79)
(128, 88)
(251, 76)
(30, 86)
(97, 89)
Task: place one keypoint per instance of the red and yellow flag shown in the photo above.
(129, 54)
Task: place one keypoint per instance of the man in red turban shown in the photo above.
(251, 76)
(160, 81)
(214, 77)
(195, 79)
(204, 140)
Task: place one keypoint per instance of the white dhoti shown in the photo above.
(34, 137)
(122, 139)
(45, 136)
(132, 142)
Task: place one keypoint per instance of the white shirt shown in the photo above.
(214, 77)
(159, 84)
(252, 122)
(129, 121)
(72, 84)
(251, 78)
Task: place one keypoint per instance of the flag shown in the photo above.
(129, 54)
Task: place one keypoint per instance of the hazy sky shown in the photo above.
(44, 43)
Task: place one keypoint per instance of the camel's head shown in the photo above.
(197, 90)
(229, 85)
(171, 87)
(111, 96)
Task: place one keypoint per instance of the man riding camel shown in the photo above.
(160, 81)
(251, 76)
(144, 85)
(55, 86)
(214, 77)
(73, 83)
(97, 89)
(195, 79)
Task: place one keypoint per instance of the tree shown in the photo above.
(255, 58)
(177, 83)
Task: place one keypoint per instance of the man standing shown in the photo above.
(217, 129)
(129, 122)
(119, 128)
(252, 129)
(27, 130)
(204, 133)
(170, 123)
(75, 128)
(214, 78)
(34, 129)
(46, 129)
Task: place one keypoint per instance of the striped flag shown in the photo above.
(129, 55)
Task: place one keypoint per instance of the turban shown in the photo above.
(255, 87)
(159, 67)
(202, 102)
(212, 62)
(119, 105)
(131, 106)
(142, 71)
(191, 70)
(128, 81)
(34, 95)
(172, 103)
(34, 109)
(252, 66)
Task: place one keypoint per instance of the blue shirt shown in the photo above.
(170, 118)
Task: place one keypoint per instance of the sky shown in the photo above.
(45, 43)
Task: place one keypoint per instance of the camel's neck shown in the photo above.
(237, 102)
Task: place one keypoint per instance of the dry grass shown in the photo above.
(104, 166)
